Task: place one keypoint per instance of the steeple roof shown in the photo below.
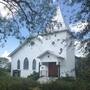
(58, 20)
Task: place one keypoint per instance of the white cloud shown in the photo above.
(5, 54)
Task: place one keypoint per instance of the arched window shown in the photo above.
(18, 64)
(26, 64)
(34, 64)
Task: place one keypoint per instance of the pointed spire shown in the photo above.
(59, 17)
(59, 23)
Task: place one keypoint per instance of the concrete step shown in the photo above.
(46, 79)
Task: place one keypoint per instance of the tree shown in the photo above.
(83, 15)
(85, 12)
(83, 68)
(34, 15)
(4, 62)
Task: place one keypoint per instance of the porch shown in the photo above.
(50, 69)
(49, 65)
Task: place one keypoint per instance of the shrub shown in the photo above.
(12, 83)
(4, 72)
(68, 78)
(83, 68)
(58, 85)
(34, 76)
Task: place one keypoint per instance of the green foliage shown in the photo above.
(4, 72)
(58, 85)
(83, 68)
(67, 78)
(4, 62)
(66, 85)
(81, 83)
(13, 83)
(34, 76)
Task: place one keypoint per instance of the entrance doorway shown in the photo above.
(52, 69)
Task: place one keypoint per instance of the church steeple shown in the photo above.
(59, 17)
(58, 20)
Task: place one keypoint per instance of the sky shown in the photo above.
(9, 46)
(13, 43)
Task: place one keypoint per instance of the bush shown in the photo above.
(34, 76)
(13, 83)
(68, 78)
(4, 72)
(58, 85)
(83, 68)
(66, 85)
(30, 83)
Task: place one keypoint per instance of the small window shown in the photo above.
(34, 64)
(26, 64)
(18, 64)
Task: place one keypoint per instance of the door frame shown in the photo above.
(53, 69)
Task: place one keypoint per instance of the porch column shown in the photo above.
(58, 69)
(39, 68)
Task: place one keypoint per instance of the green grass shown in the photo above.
(11, 83)
(14, 83)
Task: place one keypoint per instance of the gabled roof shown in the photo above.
(24, 43)
(50, 52)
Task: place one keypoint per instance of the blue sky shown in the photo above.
(10, 45)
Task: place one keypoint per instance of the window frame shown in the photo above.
(26, 64)
(18, 64)
(34, 64)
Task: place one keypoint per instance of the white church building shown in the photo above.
(50, 54)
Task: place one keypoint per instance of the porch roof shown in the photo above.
(50, 52)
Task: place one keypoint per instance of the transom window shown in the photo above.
(26, 63)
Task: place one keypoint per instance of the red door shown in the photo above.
(53, 69)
